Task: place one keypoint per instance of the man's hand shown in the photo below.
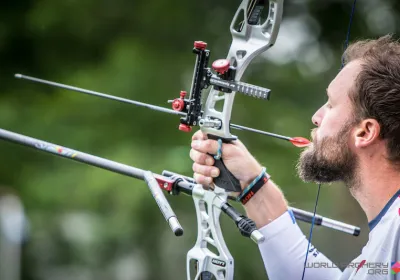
(236, 157)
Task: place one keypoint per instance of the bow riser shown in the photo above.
(248, 41)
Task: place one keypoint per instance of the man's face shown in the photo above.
(331, 156)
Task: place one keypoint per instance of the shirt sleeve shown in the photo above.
(284, 251)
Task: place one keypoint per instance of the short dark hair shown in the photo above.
(376, 93)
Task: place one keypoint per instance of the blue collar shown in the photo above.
(377, 219)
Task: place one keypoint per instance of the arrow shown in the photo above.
(299, 142)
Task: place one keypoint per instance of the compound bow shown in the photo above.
(251, 37)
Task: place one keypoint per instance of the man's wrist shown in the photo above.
(253, 173)
(266, 205)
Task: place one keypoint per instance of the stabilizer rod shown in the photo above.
(169, 181)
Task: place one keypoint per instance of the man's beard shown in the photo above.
(329, 160)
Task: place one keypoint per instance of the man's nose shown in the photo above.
(317, 117)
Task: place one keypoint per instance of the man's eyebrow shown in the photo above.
(327, 93)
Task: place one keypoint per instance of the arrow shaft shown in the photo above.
(100, 94)
(137, 103)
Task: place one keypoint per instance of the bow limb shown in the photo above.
(248, 41)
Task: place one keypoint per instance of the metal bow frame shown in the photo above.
(210, 257)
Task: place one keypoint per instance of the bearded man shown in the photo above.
(357, 141)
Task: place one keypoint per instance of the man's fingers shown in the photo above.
(199, 135)
(208, 171)
(201, 179)
(201, 158)
(206, 146)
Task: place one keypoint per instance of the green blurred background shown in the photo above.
(86, 223)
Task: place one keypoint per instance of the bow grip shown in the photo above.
(225, 180)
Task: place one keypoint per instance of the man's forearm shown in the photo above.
(283, 239)
(266, 205)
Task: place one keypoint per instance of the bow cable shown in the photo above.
(319, 185)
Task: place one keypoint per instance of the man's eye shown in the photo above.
(328, 105)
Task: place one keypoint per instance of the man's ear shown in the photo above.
(366, 133)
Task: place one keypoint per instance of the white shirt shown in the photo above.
(284, 250)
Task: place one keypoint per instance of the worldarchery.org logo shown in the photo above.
(395, 267)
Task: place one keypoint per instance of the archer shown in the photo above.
(357, 141)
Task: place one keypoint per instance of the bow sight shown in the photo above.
(223, 81)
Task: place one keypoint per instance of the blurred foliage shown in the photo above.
(87, 223)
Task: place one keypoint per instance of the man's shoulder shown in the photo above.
(382, 250)
(386, 234)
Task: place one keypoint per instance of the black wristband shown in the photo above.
(248, 193)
